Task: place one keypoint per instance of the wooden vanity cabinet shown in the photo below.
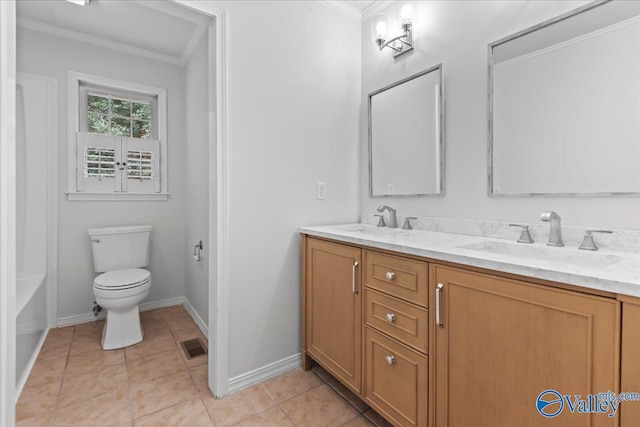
(630, 411)
(500, 342)
(333, 310)
(433, 344)
(396, 324)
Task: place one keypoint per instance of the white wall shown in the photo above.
(293, 109)
(53, 56)
(197, 215)
(456, 33)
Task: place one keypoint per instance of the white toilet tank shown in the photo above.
(117, 248)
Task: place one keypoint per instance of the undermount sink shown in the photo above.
(368, 230)
(545, 253)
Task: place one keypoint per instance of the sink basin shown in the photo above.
(367, 230)
(545, 253)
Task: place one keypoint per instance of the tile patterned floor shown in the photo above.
(74, 383)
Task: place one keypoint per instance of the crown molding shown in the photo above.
(344, 8)
(375, 8)
(97, 41)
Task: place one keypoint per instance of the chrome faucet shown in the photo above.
(393, 222)
(588, 243)
(555, 233)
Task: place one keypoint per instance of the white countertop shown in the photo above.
(605, 270)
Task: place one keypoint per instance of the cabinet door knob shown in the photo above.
(390, 360)
(391, 317)
(390, 275)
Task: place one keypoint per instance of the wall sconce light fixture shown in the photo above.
(399, 44)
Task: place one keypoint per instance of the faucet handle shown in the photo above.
(525, 235)
(588, 243)
(407, 223)
(381, 222)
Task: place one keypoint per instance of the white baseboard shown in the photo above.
(89, 317)
(29, 367)
(204, 328)
(258, 375)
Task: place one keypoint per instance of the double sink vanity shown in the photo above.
(442, 329)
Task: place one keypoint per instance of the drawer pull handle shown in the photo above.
(391, 317)
(390, 360)
(390, 275)
(353, 278)
(439, 289)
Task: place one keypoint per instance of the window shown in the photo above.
(117, 140)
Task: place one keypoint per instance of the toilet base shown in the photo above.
(121, 329)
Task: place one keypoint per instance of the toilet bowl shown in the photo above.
(120, 292)
(119, 253)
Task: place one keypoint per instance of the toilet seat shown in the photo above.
(122, 279)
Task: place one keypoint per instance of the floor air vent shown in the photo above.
(194, 348)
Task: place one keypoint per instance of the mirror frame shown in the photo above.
(441, 136)
(491, 46)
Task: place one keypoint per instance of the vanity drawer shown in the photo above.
(400, 277)
(402, 321)
(395, 380)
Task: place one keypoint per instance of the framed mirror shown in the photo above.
(564, 105)
(406, 142)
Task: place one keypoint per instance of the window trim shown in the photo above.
(74, 82)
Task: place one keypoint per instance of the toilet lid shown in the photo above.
(122, 279)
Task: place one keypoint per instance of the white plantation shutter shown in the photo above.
(98, 159)
(143, 165)
(108, 164)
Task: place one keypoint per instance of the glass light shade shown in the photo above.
(406, 12)
(379, 26)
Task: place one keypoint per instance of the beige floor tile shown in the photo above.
(61, 333)
(40, 420)
(89, 329)
(200, 377)
(189, 333)
(37, 401)
(153, 328)
(319, 407)
(103, 410)
(359, 421)
(151, 315)
(160, 393)
(347, 394)
(85, 342)
(376, 419)
(150, 346)
(174, 310)
(288, 385)
(191, 413)
(84, 387)
(273, 417)
(238, 406)
(47, 371)
(156, 365)
(179, 322)
(53, 349)
(92, 361)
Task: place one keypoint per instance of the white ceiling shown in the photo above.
(155, 29)
(360, 4)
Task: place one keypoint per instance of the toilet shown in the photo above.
(119, 253)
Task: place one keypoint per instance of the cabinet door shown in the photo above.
(396, 380)
(334, 310)
(630, 411)
(500, 343)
